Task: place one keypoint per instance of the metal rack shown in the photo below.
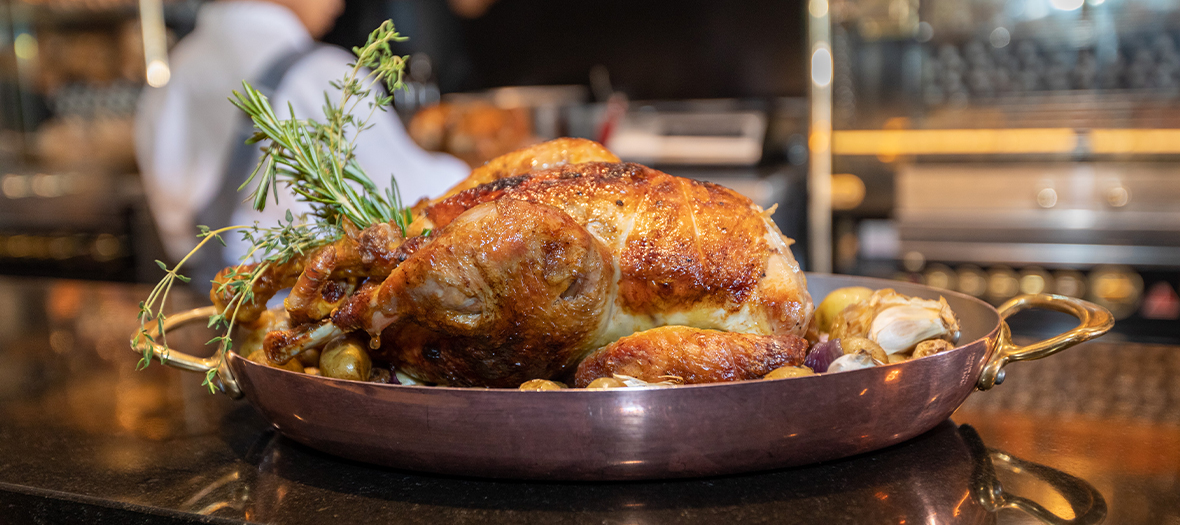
(1021, 146)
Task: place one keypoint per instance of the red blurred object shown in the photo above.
(616, 108)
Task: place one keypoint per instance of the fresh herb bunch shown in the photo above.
(316, 161)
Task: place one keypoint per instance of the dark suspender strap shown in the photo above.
(241, 162)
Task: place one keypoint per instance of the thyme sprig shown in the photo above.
(151, 311)
(274, 246)
(317, 163)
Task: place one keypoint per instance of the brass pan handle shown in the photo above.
(1094, 321)
(170, 356)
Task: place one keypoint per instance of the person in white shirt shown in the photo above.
(187, 130)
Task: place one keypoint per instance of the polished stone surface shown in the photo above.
(84, 438)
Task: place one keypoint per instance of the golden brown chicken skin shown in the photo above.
(371, 252)
(557, 152)
(680, 244)
(521, 277)
(465, 307)
(693, 355)
(510, 291)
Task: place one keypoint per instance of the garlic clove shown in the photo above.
(931, 347)
(851, 362)
(900, 328)
(896, 322)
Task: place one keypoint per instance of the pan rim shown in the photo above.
(885, 283)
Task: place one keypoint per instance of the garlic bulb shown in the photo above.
(900, 328)
(897, 322)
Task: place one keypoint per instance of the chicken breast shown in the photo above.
(686, 252)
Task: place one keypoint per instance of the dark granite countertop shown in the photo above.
(1091, 435)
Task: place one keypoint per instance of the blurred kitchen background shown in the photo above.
(993, 147)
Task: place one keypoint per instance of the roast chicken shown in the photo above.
(521, 276)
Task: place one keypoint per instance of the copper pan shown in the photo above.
(647, 433)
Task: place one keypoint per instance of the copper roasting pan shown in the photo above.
(647, 433)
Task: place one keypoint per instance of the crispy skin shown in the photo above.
(371, 252)
(314, 294)
(688, 252)
(558, 152)
(523, 276)
(692, 354)
(509, 291)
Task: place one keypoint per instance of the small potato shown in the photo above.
(862, 345)
(309, 357)
(537, 385)
(931, 347)
(783, 372)
(836, 302)
(345, 358)
(607, 382)
(259, 356)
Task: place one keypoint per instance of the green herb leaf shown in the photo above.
(315, 161)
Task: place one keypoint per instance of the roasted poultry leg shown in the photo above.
(320, 278)
(508, 292)
(374, 251)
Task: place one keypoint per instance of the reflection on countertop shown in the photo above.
(1109, 413)
(87, 436)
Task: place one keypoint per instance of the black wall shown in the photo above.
(653, 49)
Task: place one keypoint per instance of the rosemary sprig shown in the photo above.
(315, 161)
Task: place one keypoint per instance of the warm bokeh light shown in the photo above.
(818, 8)
(158, 73)
(953, 141)
(1141, 141)
(1005, 141)
(821, 67)
(25, 46)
